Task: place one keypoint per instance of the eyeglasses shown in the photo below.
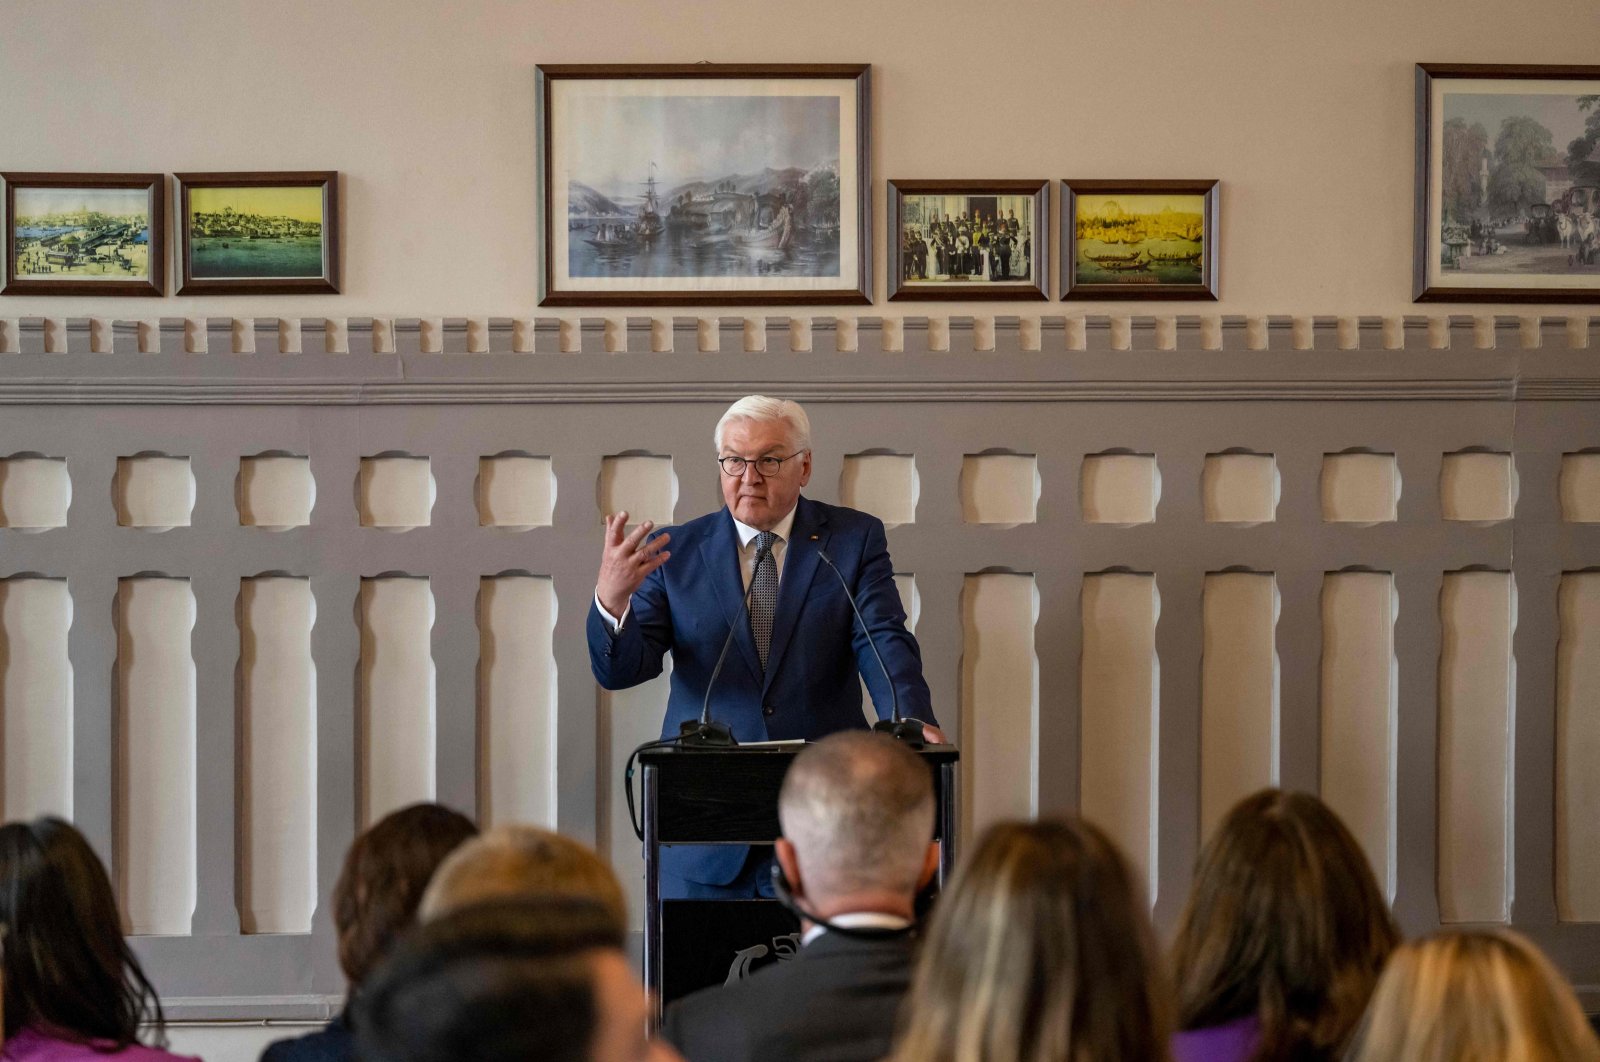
(734, 466)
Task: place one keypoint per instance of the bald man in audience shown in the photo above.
(519, 862)
(857, 812)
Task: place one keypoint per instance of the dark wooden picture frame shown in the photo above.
(325, 284)
(1035, 287)
(856, 210)
(1205, 289)
(154, 185)
(1543, 231)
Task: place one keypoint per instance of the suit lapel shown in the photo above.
(721, 557)
(808, 533)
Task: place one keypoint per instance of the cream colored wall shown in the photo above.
(1303, 110)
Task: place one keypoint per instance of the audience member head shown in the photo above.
(383, 878)
(507, 981)
(1474, 996)
(67, 969)
(514, 861)
(1285, 923)
(1039, 951)
(857, 815)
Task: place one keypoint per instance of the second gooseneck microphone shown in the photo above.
(897, 727)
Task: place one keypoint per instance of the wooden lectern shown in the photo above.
(730, 796)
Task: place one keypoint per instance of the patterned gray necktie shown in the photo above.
(763, 595)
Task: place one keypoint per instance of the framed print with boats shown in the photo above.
(969, 239)
(258, 233)
(84, 233)
(1507, 183)
(1139, 239)
(706, 183)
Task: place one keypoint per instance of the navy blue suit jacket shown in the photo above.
(810, 688)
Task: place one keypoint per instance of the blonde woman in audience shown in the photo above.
(1283, 937)
(73, 991)
(1040, 951)
(1474, 996)
(517, 862)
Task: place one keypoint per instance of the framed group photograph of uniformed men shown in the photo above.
(1139, 239)
(84, 233)
(969, 239)
(706, 183)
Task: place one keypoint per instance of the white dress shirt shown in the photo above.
(747, 557)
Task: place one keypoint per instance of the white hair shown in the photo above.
(767, 410)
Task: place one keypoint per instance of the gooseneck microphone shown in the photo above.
(897, 727)
(703, 732)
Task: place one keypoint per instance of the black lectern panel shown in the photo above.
(730, 796)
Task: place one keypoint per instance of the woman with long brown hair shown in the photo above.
(1470, 996)
(72, 988)
(1283, 937)
(1040, 951)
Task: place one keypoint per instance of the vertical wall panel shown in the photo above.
(1477, 680)
(1000, 489)
(278, 756)
(1120, 488)
(36, 697)
(885, 485)
(276, 491)
(155, 852)
(1238, 692)
(1120, 681)
(517, 690)
(34, 492)
(1358, 710)
(1578, 749)
(999, 697)
(398, 721)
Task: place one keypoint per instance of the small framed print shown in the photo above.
(1507, 183)
(84, 233)
(969, 240)
(1139, 239)
(258, 233)
(704, 184)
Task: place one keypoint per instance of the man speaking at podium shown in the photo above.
(792, 668)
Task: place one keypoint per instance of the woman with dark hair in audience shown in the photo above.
(1473, 995)
(1283, 938)
(1040, 951)
(72, 988)
(375, 900)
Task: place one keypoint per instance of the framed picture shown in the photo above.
(1139, 240)
(258, 233)
(697, 184)
(969, 239)
(1508, 184)
(84, 233)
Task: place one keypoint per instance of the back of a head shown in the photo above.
(858, 808)
(522, 862)
(1039, 951)
(1285, 922)
(499, 981)
(66, 964)
(1473, 996)
(385, 872)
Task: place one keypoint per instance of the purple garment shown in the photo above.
(1232, 1042)
(31, 1045)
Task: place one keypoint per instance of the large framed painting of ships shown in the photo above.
(1507, 184)
(1139, 239)
(271, 233)
(704, 184)
(84, 233)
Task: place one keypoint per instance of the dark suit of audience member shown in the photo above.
(835, 1001)
(857, 815)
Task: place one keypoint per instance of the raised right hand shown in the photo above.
(624, 562)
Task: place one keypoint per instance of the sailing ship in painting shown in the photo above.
(1140, 239)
